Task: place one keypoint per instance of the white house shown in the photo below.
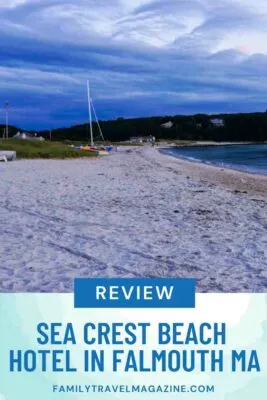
(167, 125)
(27, 136)
(217, 122)
(140, 139)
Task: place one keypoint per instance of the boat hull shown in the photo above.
(95, 151)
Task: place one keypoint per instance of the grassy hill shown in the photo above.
(36, 149)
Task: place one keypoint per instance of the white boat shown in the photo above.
(7, 155)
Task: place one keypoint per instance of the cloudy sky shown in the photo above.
(143, 57)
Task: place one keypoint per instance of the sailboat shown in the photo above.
(99, 151)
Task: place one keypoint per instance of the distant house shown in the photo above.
(167, 125)
(217, 122)
(140, 139)
(27, 136)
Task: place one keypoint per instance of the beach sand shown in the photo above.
(135, 213)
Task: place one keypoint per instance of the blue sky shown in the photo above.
(143, 57)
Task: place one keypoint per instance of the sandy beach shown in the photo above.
(135, 213)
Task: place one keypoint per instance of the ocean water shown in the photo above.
(249, 157)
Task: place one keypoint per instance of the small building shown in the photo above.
(217, 122)
(140, 139)
(27, 136)
(167, 125)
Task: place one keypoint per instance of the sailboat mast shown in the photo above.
(99, 127)
(90, 113)
(6, 119)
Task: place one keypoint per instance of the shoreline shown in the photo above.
(162, 150)
(209, 143)
(251, 183)
(170, 144)
(212, 143)
(225, 166)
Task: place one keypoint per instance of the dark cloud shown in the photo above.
(142, 57)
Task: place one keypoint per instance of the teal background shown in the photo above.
(245, 315)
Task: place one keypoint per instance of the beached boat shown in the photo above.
(7, 155)
(99, 151)
(95, 150)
